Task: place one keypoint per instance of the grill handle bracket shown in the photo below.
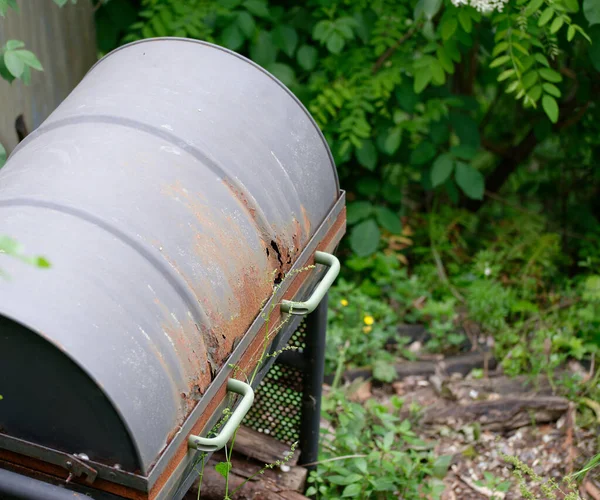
(308, 306)
(235, 419)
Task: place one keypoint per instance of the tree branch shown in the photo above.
(390, 51)
(511, 158)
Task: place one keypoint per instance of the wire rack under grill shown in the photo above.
(277, 408)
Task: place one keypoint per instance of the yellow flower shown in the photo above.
(367, 329)
(369, 320)
(344, 302)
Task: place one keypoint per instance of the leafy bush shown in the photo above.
(370, 452)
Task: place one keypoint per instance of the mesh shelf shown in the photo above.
(277, 408)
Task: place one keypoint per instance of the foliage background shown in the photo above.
(467, 140)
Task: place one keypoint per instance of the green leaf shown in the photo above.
(2, 156)
(384, 371)
(506, 74)
(441, 465)
(423, 153)
(42, 262)
(10, 246)
(257, 7)
(550, 75)
(572, 5)
(465, 20)
(551, 89)
(388, 219)
(441, 170)
(594, 48)
(263, 51)
(30, 59)
(14, 63)
(445, 60)
(246, 23)
(534, 93)
(542, 59)
(367, 155)
(591, 10)
(571, 33)
(392, 141)
(422, 79)
(358, 210)
(364, 238)
(4, 5)
(307, 57)
(499, 61)
(361, 465)
(283, 72)
(14, 44)
(463, 152)
(223, 468)
(533, 7)
(546, 16)
(529, 79)
(448, 27)
(469, 180)
(384, 484)
(437, 73)
(335, 43)
(286, 38)
(556, 24)
(232, 37)
(550, 107)
(61, 3)
(352, 490)
(427, 8)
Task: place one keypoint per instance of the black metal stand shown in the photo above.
(314, 369)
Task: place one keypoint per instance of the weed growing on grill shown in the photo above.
(271, 332)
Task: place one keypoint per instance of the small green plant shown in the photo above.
(370, 452)
(550, 488)
(11, 247)
(494, 485)
(366, 324)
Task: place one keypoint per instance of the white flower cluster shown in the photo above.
(484, 6)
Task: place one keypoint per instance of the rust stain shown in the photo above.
(253, 353)
(305, 221)
(247, 364)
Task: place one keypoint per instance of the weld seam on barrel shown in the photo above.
(174, 279)
(255, 212)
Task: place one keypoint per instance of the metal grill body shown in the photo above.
(169, 209)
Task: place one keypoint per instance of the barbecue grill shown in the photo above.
(189, 207)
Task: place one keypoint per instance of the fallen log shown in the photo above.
(262, 448)
(500, 414)
(253, 450)
(463, 364)
(272, 484)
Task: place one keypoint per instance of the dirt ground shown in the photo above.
(478, 420)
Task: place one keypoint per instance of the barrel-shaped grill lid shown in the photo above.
(169, 191)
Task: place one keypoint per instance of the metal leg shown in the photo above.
(314, 367)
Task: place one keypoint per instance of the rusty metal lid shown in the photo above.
(169, 191)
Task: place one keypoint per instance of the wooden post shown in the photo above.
(64, 40)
